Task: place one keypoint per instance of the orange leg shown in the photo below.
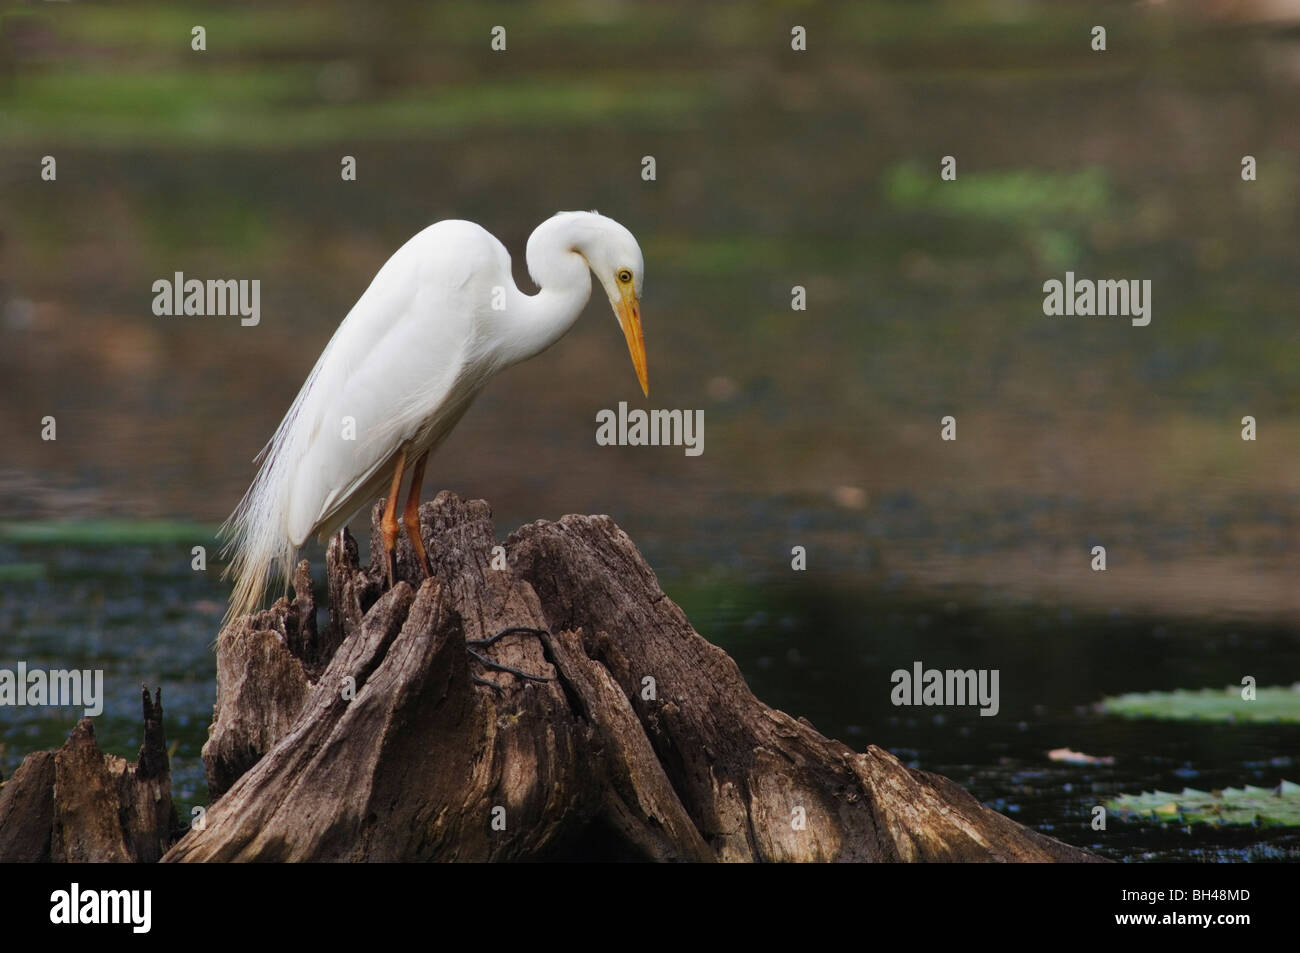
(388, 525)
(411, 515)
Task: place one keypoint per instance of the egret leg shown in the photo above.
(411, 515)
(388, 525)
(497, 666)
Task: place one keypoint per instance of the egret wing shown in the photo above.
(400, 370)
(402, 367)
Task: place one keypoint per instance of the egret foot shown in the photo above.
(497, 666)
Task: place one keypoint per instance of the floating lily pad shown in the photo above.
(1268, 807)
(1271, 705)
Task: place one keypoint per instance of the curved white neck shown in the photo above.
(564, 279)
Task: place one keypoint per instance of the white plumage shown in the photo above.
(439, 319)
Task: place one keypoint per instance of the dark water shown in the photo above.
(827, 655)
(137, 612)
(141, 614)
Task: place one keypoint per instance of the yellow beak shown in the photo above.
(628, 309)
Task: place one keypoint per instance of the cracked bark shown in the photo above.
(371, 741)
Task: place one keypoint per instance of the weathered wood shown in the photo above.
(79, 804)
(740, 767)
(27, 811)
(262, 684)
(373, 741)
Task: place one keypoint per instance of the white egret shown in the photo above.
(438, 320)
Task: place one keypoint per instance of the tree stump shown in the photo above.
(77, 804)
(375, 741)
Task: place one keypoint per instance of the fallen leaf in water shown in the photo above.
(1077, 757)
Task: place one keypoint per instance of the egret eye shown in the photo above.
(624, 276)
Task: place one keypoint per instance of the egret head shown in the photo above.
(615, 258)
